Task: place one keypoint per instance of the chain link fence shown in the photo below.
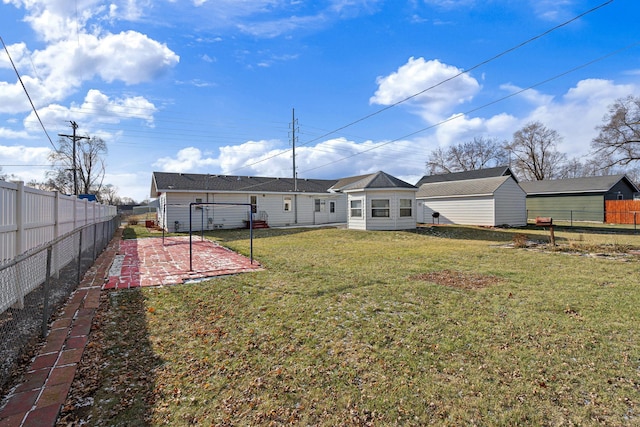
(621, 220)
(36, 284)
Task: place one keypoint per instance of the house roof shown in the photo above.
(472, 174)
(467, 187)
(590, 184)
(170, 181)
(378, 180)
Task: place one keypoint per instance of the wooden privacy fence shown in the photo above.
(622, 211)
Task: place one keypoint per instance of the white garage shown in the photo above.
(495, 201)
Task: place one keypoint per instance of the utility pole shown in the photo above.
(294, 125)
(74, 166)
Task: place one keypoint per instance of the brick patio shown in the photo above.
(124, 264)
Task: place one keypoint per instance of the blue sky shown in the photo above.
(209, 86)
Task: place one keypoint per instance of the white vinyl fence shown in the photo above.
(30, 219)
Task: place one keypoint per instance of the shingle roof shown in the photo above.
(378, 180)
(590, 184)
(467, 187)
(472, 174)
(168, 181)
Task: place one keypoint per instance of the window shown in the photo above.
(332, 207)
(380, 208)
(405, 207)
(620, 196)
(287, 203)
(319, 205)
(356, 208)
(199, 200)
(254, 203)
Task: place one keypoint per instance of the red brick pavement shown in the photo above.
(150, 262)
(123, 264)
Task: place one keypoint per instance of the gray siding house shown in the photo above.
(379, 201)
(273, 201)
(493, 201)
(577, 199)
(386, 202)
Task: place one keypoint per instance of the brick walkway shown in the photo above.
(150, 262)
(123, 264)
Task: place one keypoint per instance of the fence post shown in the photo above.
(47, 291)
(20, 243)
(79, 272)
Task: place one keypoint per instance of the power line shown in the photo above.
(466, 71)
(457, 116)
(26, 92)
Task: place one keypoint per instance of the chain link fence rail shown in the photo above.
(36, 284)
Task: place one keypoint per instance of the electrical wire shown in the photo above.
(473, 110)
(27, 93)
(466, 71)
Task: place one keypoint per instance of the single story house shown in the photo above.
(227, 201)
(379, 201)
(492, 201)
(576, 199)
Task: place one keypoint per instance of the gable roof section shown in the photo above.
(378, 180)
(472, 174)
(467, 187)
(169, 181)
(590, 184)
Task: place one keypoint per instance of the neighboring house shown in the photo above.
(577, 199)
(472, 174)
(379, 201)
(494, 201)
(273, 201)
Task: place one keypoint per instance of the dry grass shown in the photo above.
(356, 328)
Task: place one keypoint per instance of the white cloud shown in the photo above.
(418, 75)
(53, 73)
(24, 163)
(189, 159)
(96, 109)
(576, 114)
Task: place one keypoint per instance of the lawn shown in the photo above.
(441, 326)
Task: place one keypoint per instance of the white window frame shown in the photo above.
(355, 208)
(403, 209)
(380, 208)
(287, 203)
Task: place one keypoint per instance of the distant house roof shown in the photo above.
(472, 174)
(590, 184)
(467, 187)
(378, 180)
(170, 181)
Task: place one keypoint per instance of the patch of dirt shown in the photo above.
(458, 279)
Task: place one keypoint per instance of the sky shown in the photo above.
(214, 86)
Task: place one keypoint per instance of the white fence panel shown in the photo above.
(8, 221)
(30, 217)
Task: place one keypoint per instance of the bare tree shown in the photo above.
(89, 165)
(109, 195)
(536, 156)
(477, 154)
(619, 137)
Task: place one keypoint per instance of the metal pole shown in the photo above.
(46, 290)
(250, 236)
(190, 242)
(79, 275)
